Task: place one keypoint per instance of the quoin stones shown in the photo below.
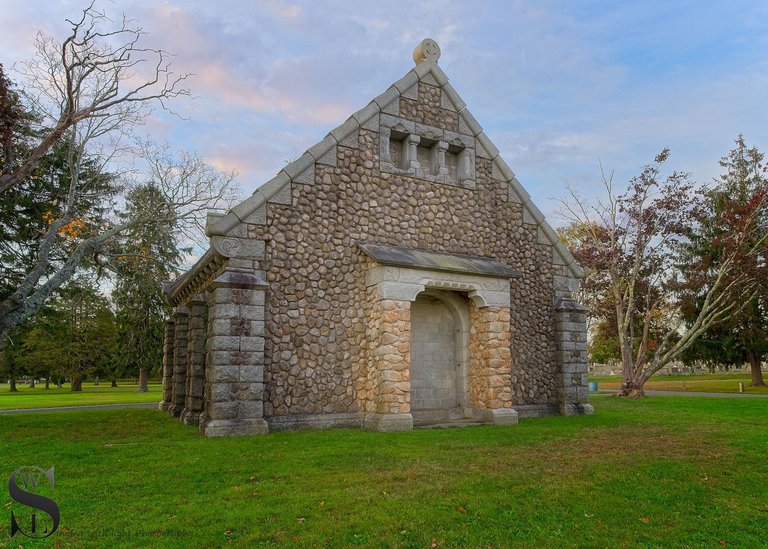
(397, 274)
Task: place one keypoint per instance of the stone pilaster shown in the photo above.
(168, 338)
(571, 340)
(193, 403)
(390, 336)
(490, 364)
(179, 379)
(234, 370)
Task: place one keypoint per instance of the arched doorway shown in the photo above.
(438, 367)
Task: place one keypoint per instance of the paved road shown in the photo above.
(81, 408)
(690, 393)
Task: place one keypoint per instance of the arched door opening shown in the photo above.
(439, 356)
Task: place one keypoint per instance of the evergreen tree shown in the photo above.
(10, 351)
(43, 336)
(738, 199)
(76, 333)
(149, 256)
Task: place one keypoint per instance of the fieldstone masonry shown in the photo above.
(301, 312)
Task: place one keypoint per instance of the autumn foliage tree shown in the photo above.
(735, 204)
(632, 244)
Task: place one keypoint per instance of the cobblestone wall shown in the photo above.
(318, 309)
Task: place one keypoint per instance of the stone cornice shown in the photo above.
(191, 283)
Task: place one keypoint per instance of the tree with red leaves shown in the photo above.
(633, 248)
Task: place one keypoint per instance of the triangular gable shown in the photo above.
(302, 170)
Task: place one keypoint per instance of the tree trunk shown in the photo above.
(757, 373)
(143, 381)
(633, 387)
(32, 383)
(12, 385)
(47, 383)
(76, 385)
(114, 383)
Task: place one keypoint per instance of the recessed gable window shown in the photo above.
(428, 155)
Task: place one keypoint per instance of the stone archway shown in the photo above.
(439, 355)
(476, 292)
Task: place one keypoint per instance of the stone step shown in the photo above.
(438, 414)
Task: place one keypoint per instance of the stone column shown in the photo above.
(439, 168)
(571, 340)
(193, 403)
(167, 365)
(179, 379)
(234, 370)
(490, 365)
(390, 336)
(412, 158)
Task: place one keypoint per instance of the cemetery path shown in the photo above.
(82, 408)
(692, 393)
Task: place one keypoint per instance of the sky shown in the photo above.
(560, 87)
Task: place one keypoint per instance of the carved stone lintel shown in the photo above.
(244, 248)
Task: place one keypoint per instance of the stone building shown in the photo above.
(396, 274)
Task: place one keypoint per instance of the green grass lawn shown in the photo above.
(710, 383)
(39, 397)
(661, 472)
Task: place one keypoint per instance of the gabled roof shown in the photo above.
(301, 170)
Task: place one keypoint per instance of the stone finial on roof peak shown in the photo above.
(427, 50)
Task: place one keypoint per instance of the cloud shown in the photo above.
(558, 85)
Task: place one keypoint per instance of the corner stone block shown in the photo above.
(499, 416)
(570, 325)
(234, 373)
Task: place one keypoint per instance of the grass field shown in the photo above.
(658, 472)
(708, 383)
(39, 397)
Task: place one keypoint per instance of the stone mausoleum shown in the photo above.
(397, 274)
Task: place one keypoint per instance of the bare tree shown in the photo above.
(631, 242)
(88, 93)
(99, 82)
